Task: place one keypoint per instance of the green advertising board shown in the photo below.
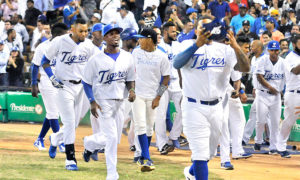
(22, 106)
(3, 107)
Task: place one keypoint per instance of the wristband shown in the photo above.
(161, 90)
(242, 91)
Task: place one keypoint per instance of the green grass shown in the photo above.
(30, 164)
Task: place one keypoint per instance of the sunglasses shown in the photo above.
(274, 50)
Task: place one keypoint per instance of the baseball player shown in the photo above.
(234, 122)
(257, 49)
(291, 96)
(106, 76)
(129, 42)
(171, 47)
(205, 67)
(72, 52)
(270, 75)
(151, 65)
(48, 92)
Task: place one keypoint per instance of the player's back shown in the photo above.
(206, 75)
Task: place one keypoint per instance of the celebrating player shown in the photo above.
(206, 66)
(151, 64)
(271, 80)
(291, 96)
(106, 76)
(72, 52)
(171, 47)
(48, 92)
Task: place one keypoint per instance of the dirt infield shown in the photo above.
(258, 167)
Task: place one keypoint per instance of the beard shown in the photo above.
(171, 39)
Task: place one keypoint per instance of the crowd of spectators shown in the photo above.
(26, 23)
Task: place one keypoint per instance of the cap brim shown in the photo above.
(273, 48)
(116, 28)
(138, 36)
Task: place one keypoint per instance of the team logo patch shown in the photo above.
(38, 109)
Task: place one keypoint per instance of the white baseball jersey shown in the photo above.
(70, 57)
(108, 76)
(254, 63)
(38, 56)
(274, 74)
(172, 51)
(292, 80)
(206, 75)
(150, 66)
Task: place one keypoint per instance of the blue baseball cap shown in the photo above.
(273, 45)
(15, 48)
(191, 10)
(97, 27)
(130, 33)
(111, 27)
(265, 7)
(242, 6)
(174, 3)
(271, 20)
(1, 42)
(69, 1)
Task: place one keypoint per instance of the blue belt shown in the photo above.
(297, 91)
(266, 91)
(210, 103)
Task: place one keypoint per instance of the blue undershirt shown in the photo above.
(182, 58)
(34, 74)
(88, 91)
(113, 56)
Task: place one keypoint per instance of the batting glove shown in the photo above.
(55, 82)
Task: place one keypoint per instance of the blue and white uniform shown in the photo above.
(107, 75)
(267, 103)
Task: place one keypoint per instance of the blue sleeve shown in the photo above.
(48, 70)
(88, 91)
(210, 6)
(182, 58)
(34, 74)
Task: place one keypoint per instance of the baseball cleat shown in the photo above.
(273, 152)
(94, 155)
(284, 154)
(257, 147)
(183, 141)
(52, 150)
(71, 165)
(86, 155)
(244, 143)
(135, 159)
(187, 174)
(39, 143)
(140, 161)
(62, 148)
(227, 166)
(242, 156)
(132, 148)
(101, 150)
(166, 149)
(148, 166)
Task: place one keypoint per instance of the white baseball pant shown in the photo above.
(69, 102)
(225, 135)
(143, 116)
(267, 104)
(291, 100)
(95, 124)
(49, 94)
(160, 120)
(128, 118)
(112, 120)
(202, 126)
(250, 125)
